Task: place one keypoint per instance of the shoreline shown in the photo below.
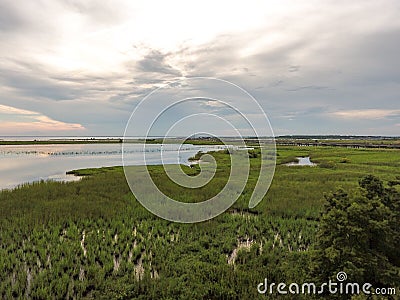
(75, 174)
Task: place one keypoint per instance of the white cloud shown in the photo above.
(20, 121)
(4, 109)
(366, 113)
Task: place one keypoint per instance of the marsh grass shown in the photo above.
(42, 227)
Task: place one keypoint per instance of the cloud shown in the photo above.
(8, 110)
(17, 121)
(366, 113)
(155, 62)
(90, 63)
(309, 87)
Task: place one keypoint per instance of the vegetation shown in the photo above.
(374, 140)
(360, 235)
(91, 239)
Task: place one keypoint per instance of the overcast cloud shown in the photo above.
(316, 67)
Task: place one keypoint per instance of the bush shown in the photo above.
(327, 165)
(253, 154)
(344, 160)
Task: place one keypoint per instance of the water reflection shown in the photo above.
(27, 163)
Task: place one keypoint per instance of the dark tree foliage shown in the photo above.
(360, 234)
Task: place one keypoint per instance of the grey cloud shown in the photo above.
(26, 20)
(276, 83)
(309, 87)
(10, 18)
(155, 62)
(330, 64)
(376, 57)
(294, 68)
(369, 78)
(129, 99)
(34, 86)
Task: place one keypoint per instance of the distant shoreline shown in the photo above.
(328, 140)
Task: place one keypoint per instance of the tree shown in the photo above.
(360, 235)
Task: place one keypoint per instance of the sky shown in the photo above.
(71, 67)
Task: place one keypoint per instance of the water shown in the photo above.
(303, 161)
(58, 138)
(28, 163)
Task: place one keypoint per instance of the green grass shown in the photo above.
(42, 227)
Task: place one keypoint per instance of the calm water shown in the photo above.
(28, 163)
(303, 161)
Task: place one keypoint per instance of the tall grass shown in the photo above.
(91, 238)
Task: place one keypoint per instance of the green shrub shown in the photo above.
(327, 165)
(344, 160)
